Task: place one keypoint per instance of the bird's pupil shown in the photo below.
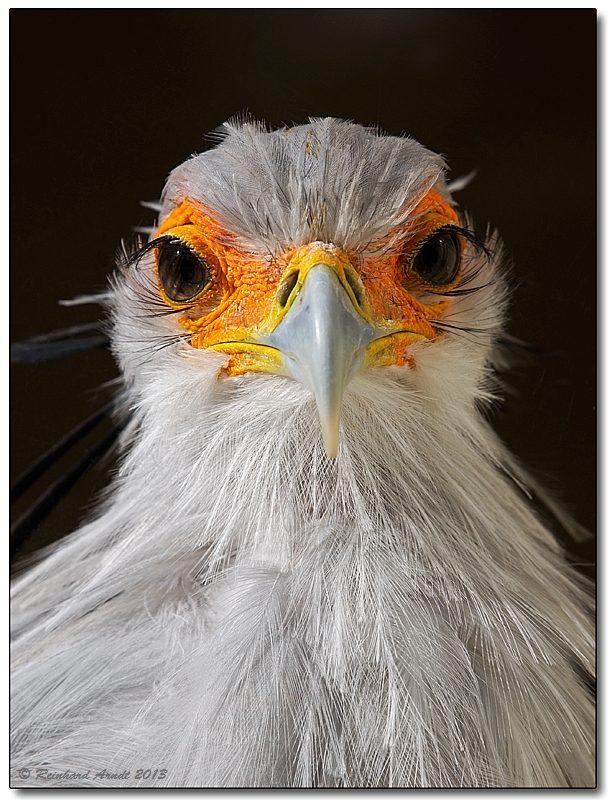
(181, 272)
(438, 260)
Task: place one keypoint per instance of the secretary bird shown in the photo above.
(318, 565)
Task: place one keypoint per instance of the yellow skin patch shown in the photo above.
(250, 294)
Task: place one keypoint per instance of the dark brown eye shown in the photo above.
(437, 262)
(182, 273)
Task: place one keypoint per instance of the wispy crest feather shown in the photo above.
(328, 180)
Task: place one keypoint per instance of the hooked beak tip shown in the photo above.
(331, 436)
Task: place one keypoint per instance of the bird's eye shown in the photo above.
(437, 261)
(183, 275)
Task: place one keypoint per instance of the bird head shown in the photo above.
(317, 253)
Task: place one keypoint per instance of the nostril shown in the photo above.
(287, 288)
(354, 285)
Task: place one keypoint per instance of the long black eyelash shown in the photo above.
(461, 288)
(459, 292)
(477, 335)
(162, 343)
(468, 234)
(481, 249)
(138, 251)
(130, 263)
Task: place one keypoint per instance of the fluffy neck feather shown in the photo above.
(399, 615)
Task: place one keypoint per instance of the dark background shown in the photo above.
(106, 102)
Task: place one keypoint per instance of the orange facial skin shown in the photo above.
(245, 285)
(249, 295)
